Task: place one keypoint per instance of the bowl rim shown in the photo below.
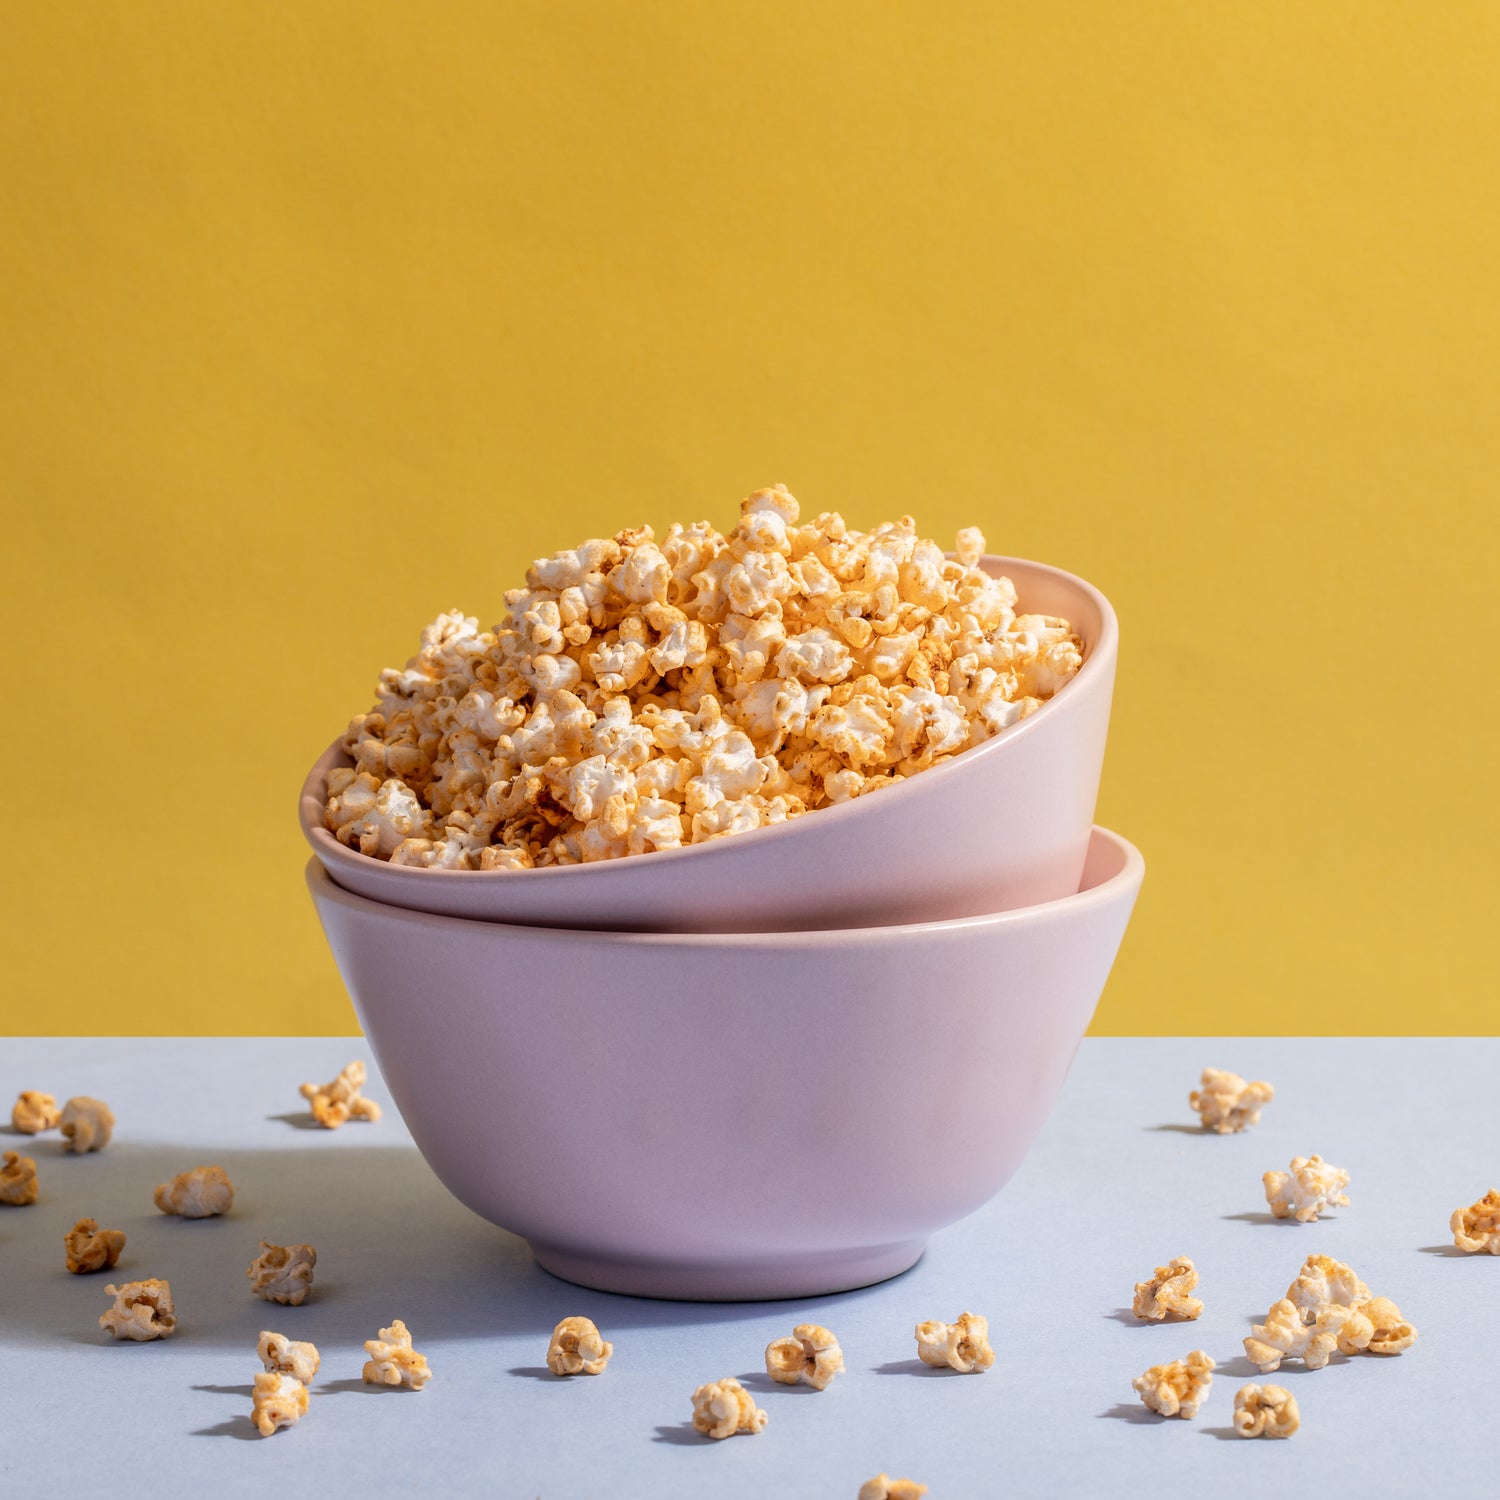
(312, 797)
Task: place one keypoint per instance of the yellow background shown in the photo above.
(321, 318)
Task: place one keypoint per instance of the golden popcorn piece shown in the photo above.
(724, 1407)
(90, 1248)
(883, 1487)
(142, 1311)
(334, 1103)
(201, 1193)
(278, 1401)
(18, 1184)
(1306, 1190)
(1177, 1389)
(1226, 1103)
(87, 1124)
(33, 1113)
(1327, 1309)
(577, 1349)
(1391, 1333)
(1265, 1411)
(963, 1346)
(283, 1273)
(810, 1356)
(393, 1361)
(1477, 1227)
(1324, 1282)
(283, 1356)
(1167, 1292)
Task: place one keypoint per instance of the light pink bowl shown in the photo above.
(721, 1117)
(1003, 825)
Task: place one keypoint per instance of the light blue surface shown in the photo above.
(1121, 1181)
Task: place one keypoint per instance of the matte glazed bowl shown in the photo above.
(1003, 825)
(729, 1116)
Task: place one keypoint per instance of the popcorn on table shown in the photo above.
(1177, 1389)
(283, 1356)
(34, 1112)
(1226, 1103)
(283, 1273)
(1477, 1227)
(1306, 1190)
(142, 1311)
(577, 1349)
(333, 1103)
(1265, 1411)
(393, 1361)
(811, 1355)
(199, 1194)
(643, 695)
(724, 1407)
(86, 1124)
(883, 1487)
(278, 1401)
(1327, 1309)
(90, 1248)
(963, 1346)
(1167, 1292)
(18, 1184)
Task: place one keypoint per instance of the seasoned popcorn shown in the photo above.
(199, 1194)
(1306, 1190)
(1177, 1389)
(723, 1408)
(87, 1124)
(882, 1487)
(643, 695)
(285, 1356)
(1167, 1292)
(18, 1184)
(283, 1273)
(142, 1311)
(811, 1355)
(279, 1401)
(33, 1113)
(577, 1349)
(393, 1361)
(1477, 1227)
(333, 1103)
(1265, 1411)
(1324, 1282)
(1226, 1103)
(963, 1346)
(90, 1248)
(1327, 1308)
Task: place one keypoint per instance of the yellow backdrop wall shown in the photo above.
(320, 318)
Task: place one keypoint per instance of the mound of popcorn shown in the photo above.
(1327, 1308)
(33, 1112)
(1477, 1227)
(643, 695)
(1304, 1191)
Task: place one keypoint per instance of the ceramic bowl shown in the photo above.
(1004, 824)
(728, 1116)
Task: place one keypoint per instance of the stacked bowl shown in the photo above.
(773, 1064)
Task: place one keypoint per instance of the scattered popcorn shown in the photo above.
(643, 694)
(283, 1273)
(811, 1355)
(199, 1194)
(33, 1113)
(279, 1401)
(577, 1349)
(1306, 1190)
(882, 1487)
(1265, 1411)
(90, 1248)
(1327, 1308)
(87, 1124)
(723, 1408)
(393, 1361)
(333, 1103)
(18, 1184)
(1167, 1292)
(286, 1356)
(963, 1346)
(1226, 1103)
(142, 1311)
(1177, 1389)
(1477, 1227)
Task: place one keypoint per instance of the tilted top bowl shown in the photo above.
(1004, 824)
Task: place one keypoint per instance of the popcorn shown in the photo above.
(1477, 1227)
(90, 1248)
(882, 1487)
(285, 1356)
(1177, 1389)
(393, 1361)
(142, 1311)
(723, 1408)
(577, 1349)
(963, 1346)
(1167, 1292)
(18, 1184)
(1327, 1308)
(1265, 1411)
(1226, 1103)
(199, 1194)
(33, 1113)
(811, 1355)
(87, 1124)
(283, 1273)
(1324, 1282)
(333, 1103)
(1306, 1190)
(279, 1401)
(646, 693)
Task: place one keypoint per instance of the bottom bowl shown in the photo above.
(724, 1117)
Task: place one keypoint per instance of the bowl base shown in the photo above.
(732, 1280)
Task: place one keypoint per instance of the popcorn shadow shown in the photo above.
(759, 1381)
(683, 1435)
(913, 1367)
(228, 1390)
(300, 1119)
(1448, 1252)
(231, 1427)
(1126, 1315)
(1134, 1413)
(349, 1384)
(1266, 1218)
(535, 1372)
(1179, 1129)
(1224, 1434)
